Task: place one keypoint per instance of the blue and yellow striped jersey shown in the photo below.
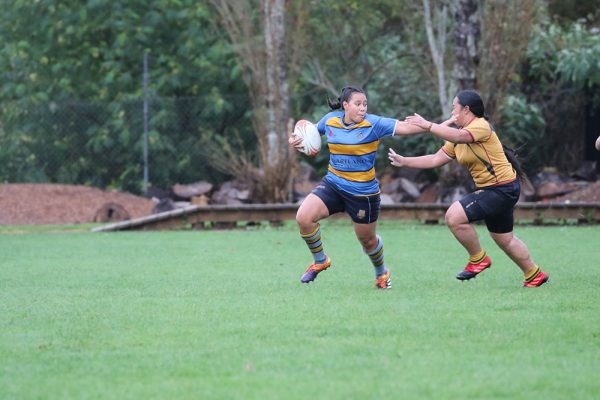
(353, 149)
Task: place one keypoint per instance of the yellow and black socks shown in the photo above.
(376, 257)
(313, 241)
(531, 275)
(477, 258)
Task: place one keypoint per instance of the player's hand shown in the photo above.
(396, 159)
(449, 121)
(416, 119)
(295, 141)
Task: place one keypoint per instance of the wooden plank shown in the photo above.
(196, 216)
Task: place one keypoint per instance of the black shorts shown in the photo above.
(362, 209)
(494, 205)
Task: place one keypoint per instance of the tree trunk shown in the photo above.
(436, 26)
(275, 160)
(260, 46)
(506, 28)
(466, 39)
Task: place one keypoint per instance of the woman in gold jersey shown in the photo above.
(474, 143)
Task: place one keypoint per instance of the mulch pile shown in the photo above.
(589, 194)
(38, 204)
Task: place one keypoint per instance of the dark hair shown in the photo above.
(345, 96)
(473, 100)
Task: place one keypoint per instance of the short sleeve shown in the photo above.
(321, 124)
(383, 127)
(480, 130)
(448, 148)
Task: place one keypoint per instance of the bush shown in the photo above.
(522, 128)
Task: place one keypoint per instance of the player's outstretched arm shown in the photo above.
(428, 161)
(403, 128)
(443, 130)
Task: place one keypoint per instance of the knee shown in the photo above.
(302, 218)
(305, 219)
(504, 240)
(368, 242)
(455, 216)
(451, 219)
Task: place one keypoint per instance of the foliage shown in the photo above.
(561, 76)
(567, 11)
(78, 79)
(578, 59)
(71, 83)
(507, 27)
(566, 54)
(522, 128)
(365, 44)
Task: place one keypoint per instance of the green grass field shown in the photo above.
(222, 315)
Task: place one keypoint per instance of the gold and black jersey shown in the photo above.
(485, 157)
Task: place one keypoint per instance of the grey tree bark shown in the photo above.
(467, 33)
(436, 26)
(259, 41)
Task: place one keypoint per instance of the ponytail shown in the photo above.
(344, 96)
(513, 158)
(334, 106)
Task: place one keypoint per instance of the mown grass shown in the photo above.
(222, 315)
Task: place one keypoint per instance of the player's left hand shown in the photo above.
(416, 119)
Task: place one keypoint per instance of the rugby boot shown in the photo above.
(383, 281)
(537, 280)
(471, 270)
(313, 270)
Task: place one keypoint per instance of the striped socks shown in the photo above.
(313, 241)
(477, 258)
(376, 257)
(534, 272)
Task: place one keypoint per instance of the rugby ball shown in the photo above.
(311, 139)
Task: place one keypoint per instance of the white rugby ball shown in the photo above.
(311, 138)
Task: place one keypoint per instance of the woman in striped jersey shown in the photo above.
(495, 170)
(350, 185)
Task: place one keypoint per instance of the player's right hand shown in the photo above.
(295, 141)
(396, 159)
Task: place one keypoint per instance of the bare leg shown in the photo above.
(366, 235)
(463, 231)
(311, 211)
(515, 249)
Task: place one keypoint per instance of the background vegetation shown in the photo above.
(225, 77)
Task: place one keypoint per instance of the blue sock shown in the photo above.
(313, 241)
(376, 257)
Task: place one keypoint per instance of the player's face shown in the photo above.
(355, 108)
(459, 113)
